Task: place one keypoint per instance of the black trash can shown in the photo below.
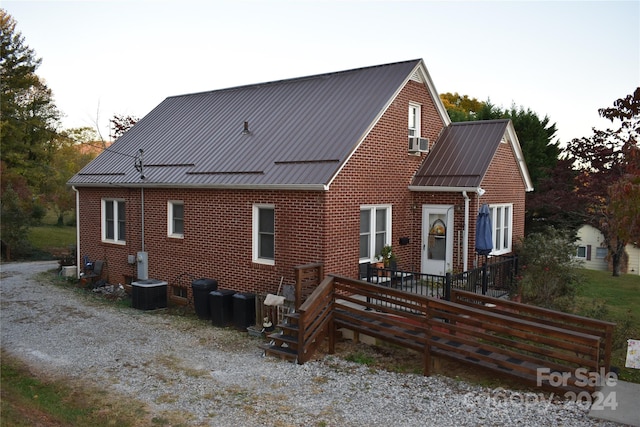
(221, 307)
(244, 310)
(201, 289)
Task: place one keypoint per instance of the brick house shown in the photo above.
(243, 184)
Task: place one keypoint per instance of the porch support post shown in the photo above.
(465, 234)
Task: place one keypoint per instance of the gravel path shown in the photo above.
(218, 377)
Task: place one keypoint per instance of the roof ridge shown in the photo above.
(293, 79)
(474, 122)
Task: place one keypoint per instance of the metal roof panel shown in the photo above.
(461, 155)
(300, 132)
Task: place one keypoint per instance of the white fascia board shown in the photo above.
(424, 72)
(517, 152)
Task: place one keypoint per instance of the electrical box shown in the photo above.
(143, 265)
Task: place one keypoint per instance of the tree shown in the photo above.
(15, 208)
(461, 108)
(74, 148)
(120, 124)
(28, 116)
(28, 121)
(607, 168)
(549, 269)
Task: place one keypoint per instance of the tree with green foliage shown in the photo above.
(28, 116)
(74, 148)
(461, 108)
(14, 223)
(28, 122)
(549, 273)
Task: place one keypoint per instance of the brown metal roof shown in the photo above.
(300, 133)
(461, 155)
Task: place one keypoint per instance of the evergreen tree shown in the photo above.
(28, 116)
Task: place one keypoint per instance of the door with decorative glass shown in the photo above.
(437, 239)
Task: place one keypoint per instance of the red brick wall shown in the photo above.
(217, 239)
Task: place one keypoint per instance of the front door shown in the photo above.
(437, 239)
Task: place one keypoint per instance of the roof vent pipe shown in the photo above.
(246, 131)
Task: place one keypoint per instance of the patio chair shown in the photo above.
(95, 274)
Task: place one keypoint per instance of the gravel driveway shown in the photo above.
(218, 377)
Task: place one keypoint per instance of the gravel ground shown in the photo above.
(183, 367)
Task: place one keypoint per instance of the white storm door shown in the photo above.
(437, 239)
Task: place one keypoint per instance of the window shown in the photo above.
(264, 235)
(501, 220)
(581, 252)
(113, 221)
(175, 218)
(414, 120)
(601, 253)
(375, 231)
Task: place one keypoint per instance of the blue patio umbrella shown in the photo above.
(484, 241)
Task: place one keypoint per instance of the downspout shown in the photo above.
(142, 213)
(73, 187)
(465, 236)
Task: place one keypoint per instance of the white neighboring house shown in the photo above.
(592, 251)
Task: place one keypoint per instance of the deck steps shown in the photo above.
(284, 344)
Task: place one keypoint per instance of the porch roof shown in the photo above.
(462, 154)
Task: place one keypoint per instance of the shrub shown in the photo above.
(549, 272)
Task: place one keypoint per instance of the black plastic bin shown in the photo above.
(201, 289)
(221, 307)
(244, 310)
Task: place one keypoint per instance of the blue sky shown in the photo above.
(563, 60)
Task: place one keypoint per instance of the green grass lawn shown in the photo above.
(52, 239)
(618, 299)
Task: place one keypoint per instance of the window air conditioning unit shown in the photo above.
(418, 145)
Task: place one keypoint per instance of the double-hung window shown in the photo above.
(502, 222)
(414, 120)
(375, 230)
(113, 221)
(175, 219)
(264, 234)
(581, 252)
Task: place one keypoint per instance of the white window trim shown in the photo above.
(255, 237)
(372, 230)
(103, 222)
(584, 258)
(494, 209)
(170, 231)
(418, 124)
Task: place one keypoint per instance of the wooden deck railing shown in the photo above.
(586, 325)
(315, 320)
(516, 343)
(308, 277)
